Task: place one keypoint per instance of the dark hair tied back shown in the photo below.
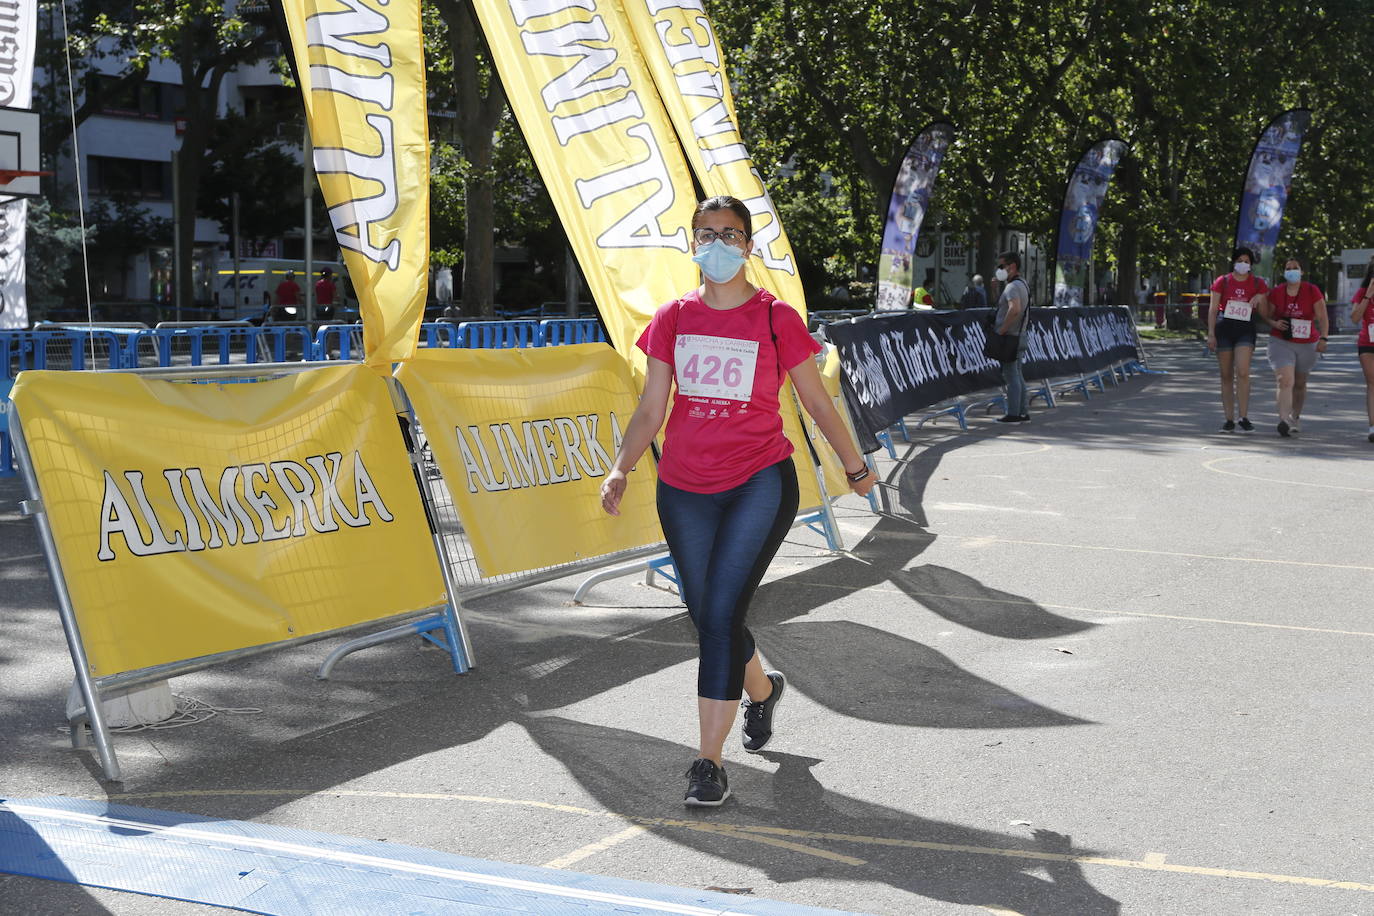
(726, 202)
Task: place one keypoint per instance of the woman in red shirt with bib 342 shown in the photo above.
(1296, 311)
(1236, 297)
(727, 490)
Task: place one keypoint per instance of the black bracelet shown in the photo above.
(857, 475)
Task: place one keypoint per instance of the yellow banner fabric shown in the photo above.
(361, 65)
(597, 130)
(193, 519)
(680, 48)
(524, 439)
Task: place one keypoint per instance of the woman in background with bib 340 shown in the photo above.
(1296, 310)
(727, 490)
(1236, 296)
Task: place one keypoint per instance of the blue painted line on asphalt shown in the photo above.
(281, 871)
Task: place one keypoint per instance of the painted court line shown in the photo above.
(1212, 466)
(591, 849)
(1157, 553)
(1154, 861)
(1115, 612)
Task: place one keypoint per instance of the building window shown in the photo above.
(134, 177)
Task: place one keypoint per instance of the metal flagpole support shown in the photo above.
(33, 507)
(827, 513)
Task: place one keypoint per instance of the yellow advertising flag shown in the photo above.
(362, 72)
(524, 439)
(597, 130)
(679, 47)
(193, 519)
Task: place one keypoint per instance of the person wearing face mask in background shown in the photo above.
(1296, 312)
(1236, 297)
(727, 490)
(1362, 313)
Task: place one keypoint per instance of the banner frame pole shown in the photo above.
(34, 508)
(460, 644)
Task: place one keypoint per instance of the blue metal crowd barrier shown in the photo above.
(168, 346)
(132, 348)
(51, 348)
(498, 335)
(555, 332)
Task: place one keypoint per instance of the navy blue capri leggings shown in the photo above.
(722, 544)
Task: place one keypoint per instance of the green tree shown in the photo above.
(206, 41)
(52, 249)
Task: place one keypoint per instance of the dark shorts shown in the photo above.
(1365, 348)
(1232, 334)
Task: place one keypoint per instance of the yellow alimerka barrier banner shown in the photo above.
(680, 48)
(598, 132)
(362, 72)
(194, 519)
(524, 439)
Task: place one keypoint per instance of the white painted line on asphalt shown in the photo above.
(1157, 553)
(1212, 466)
(1088, 610)
(591, 849)
(766, 833)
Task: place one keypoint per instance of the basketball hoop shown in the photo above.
(8, 175)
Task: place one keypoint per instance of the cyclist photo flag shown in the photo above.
(906, 210)
(1079, 216)
(1267, 184)
(362, 72)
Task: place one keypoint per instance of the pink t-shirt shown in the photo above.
(1302, 306)
(1366, 320)
(725, 425)
(1232, 289)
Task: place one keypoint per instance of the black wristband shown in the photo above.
(857, 475)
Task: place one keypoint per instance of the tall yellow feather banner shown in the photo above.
(598, 132)
(362, 72)
(681, 51)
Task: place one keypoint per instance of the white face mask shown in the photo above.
(1241, 267)
(1001, 275)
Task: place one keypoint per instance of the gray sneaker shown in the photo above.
(758, 717)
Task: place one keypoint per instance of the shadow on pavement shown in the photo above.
(797, 801)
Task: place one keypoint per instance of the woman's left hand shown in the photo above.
(864, 483)
(1321, 345)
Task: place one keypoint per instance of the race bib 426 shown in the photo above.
(715, 367)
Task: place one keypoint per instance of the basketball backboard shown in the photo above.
(19, 153)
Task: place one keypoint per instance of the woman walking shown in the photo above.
(727, 490)
(1296, 313)
(1363, 314)
(1231, 335)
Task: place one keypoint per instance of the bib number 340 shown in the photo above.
(715, 367)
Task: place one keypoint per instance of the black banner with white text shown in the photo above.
(898, 363)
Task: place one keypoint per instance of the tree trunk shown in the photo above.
(478, 115)
(1128, 245)
(479, 243)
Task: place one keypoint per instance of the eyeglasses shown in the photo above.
(729, 236)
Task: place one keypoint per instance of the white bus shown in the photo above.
(1353, 264)
(252, 295)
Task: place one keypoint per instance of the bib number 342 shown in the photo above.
(715, 367)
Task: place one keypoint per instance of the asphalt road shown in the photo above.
(1111, 661)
